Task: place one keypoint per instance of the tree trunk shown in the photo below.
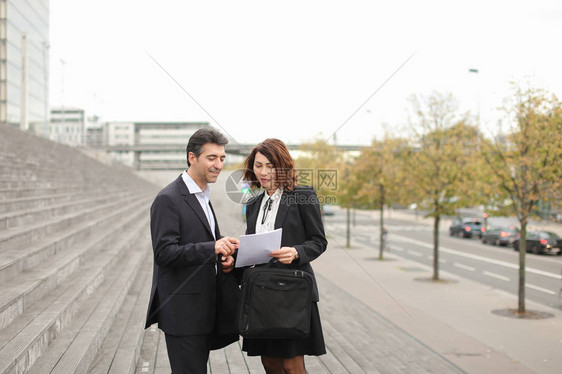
(436, 247)
(522, 254)
(348, 233)
(382, 230)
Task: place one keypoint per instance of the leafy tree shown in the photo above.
(320, 164)
(324, 165)
(378, 173)
(441, 176)
(526, 163)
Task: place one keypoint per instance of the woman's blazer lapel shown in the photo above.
(252, 211)
(282, 211)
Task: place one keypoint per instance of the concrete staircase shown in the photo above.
(75, 259)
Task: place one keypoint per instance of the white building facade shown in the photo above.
(24, 64)
(166, 141)
(68, 126)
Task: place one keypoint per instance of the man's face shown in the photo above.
(207, 167)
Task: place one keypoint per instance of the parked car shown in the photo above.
(327, 210)
(500, 235)
(541, 242)
(466, 227)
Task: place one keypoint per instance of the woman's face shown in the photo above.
(265, 172)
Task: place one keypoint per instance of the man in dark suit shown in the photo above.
(189, 256)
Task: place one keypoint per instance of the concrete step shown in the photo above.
(78, 345)
(10, 205)
(29, 216)
(22, 259)
(120, 350)
(28, 337)
(17, 185)
(11, 193)
(22, 290)
(26, 174)
(23, 236)
(26, 158)
(39, 169)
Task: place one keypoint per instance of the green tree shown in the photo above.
(441, 176)
(526, 163)
(320, 164)
(377, 173)
(326, 167)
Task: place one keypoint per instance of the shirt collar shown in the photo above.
(194, 187)
(276, 195)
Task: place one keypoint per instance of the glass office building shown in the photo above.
(24, 64)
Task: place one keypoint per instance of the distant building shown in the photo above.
(24, 64)
(96, 136)
(162, 143)
(67, 126)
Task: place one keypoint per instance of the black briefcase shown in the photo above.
(275, 303)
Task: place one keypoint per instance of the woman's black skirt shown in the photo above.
(313, 345)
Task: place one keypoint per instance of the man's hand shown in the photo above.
(285, 255)
(227, 264)
(226, 246)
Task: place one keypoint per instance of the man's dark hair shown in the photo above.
(202, 137)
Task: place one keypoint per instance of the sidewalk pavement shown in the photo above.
(453, 319)
(377, 318)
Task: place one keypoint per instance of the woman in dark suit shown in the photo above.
(296, 210)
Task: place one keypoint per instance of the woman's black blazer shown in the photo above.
(300, 218)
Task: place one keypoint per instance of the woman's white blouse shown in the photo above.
(269, 223)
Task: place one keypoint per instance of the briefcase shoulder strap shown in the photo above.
(270, 272)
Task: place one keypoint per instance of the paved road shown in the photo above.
(490, 265)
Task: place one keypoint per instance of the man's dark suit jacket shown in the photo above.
(300, 218)
(183, 299)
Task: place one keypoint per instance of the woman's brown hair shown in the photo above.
(278, 154)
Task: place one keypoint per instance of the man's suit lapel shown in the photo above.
(217, 231)
(192, 201)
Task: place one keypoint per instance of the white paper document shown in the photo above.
(255, 248)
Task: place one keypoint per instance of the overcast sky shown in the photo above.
(297, 70)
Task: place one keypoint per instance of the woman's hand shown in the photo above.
(285, 255)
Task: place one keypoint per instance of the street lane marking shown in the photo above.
(497, 276)
(465, 267)
(397, 248)
(414, 253)
(442, 261)
(540, 289)
(476, 257)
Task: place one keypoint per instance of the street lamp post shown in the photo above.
(475, 71)
(46, 89)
